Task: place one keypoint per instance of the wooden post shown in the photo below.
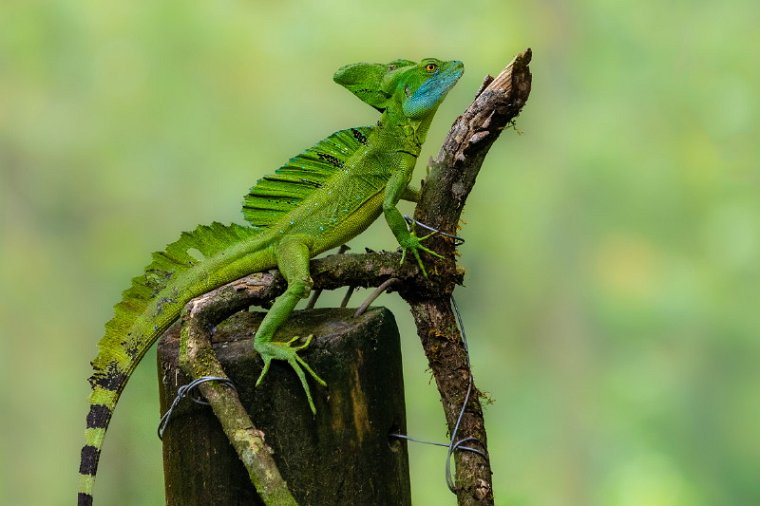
(340, 456)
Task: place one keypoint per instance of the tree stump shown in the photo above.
(343, 455)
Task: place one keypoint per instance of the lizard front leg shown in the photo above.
(398, 187)
(293, 262)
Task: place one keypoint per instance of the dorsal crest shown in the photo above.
(275, 195)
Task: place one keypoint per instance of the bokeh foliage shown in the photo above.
(613, 243)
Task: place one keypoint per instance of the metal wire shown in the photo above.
(454, 444)
(186, 391)
(458, 241)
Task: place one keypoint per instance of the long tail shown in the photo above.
(146, 310)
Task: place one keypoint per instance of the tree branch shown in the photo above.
(197, 359)
(452, 176)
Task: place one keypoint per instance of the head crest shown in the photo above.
(369, 81)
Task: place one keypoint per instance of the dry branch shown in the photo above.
(452, 176)
(198, 359)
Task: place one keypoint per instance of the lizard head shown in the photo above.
(416, 88)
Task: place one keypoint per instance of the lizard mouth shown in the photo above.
(447, 78)
(433, 91)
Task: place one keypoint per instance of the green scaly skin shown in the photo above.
(317, 201)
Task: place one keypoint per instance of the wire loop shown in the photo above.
(454, 444)
(458, 241)
(187, 391)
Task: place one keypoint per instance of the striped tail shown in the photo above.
(102, 403)
(147, 309)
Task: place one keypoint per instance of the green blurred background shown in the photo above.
(612, 243)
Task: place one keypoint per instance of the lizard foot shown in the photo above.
(274, 350)
(414, 244)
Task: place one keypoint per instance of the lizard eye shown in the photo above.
(431, 67)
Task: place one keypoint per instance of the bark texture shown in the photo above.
(452, 176)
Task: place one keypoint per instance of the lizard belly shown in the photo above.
(350, 226)
(338, 211)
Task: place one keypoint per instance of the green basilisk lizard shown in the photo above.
(317, 201)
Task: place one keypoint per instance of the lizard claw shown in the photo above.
(414, 244)
(274, 350)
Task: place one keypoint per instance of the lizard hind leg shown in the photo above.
(293, 262)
